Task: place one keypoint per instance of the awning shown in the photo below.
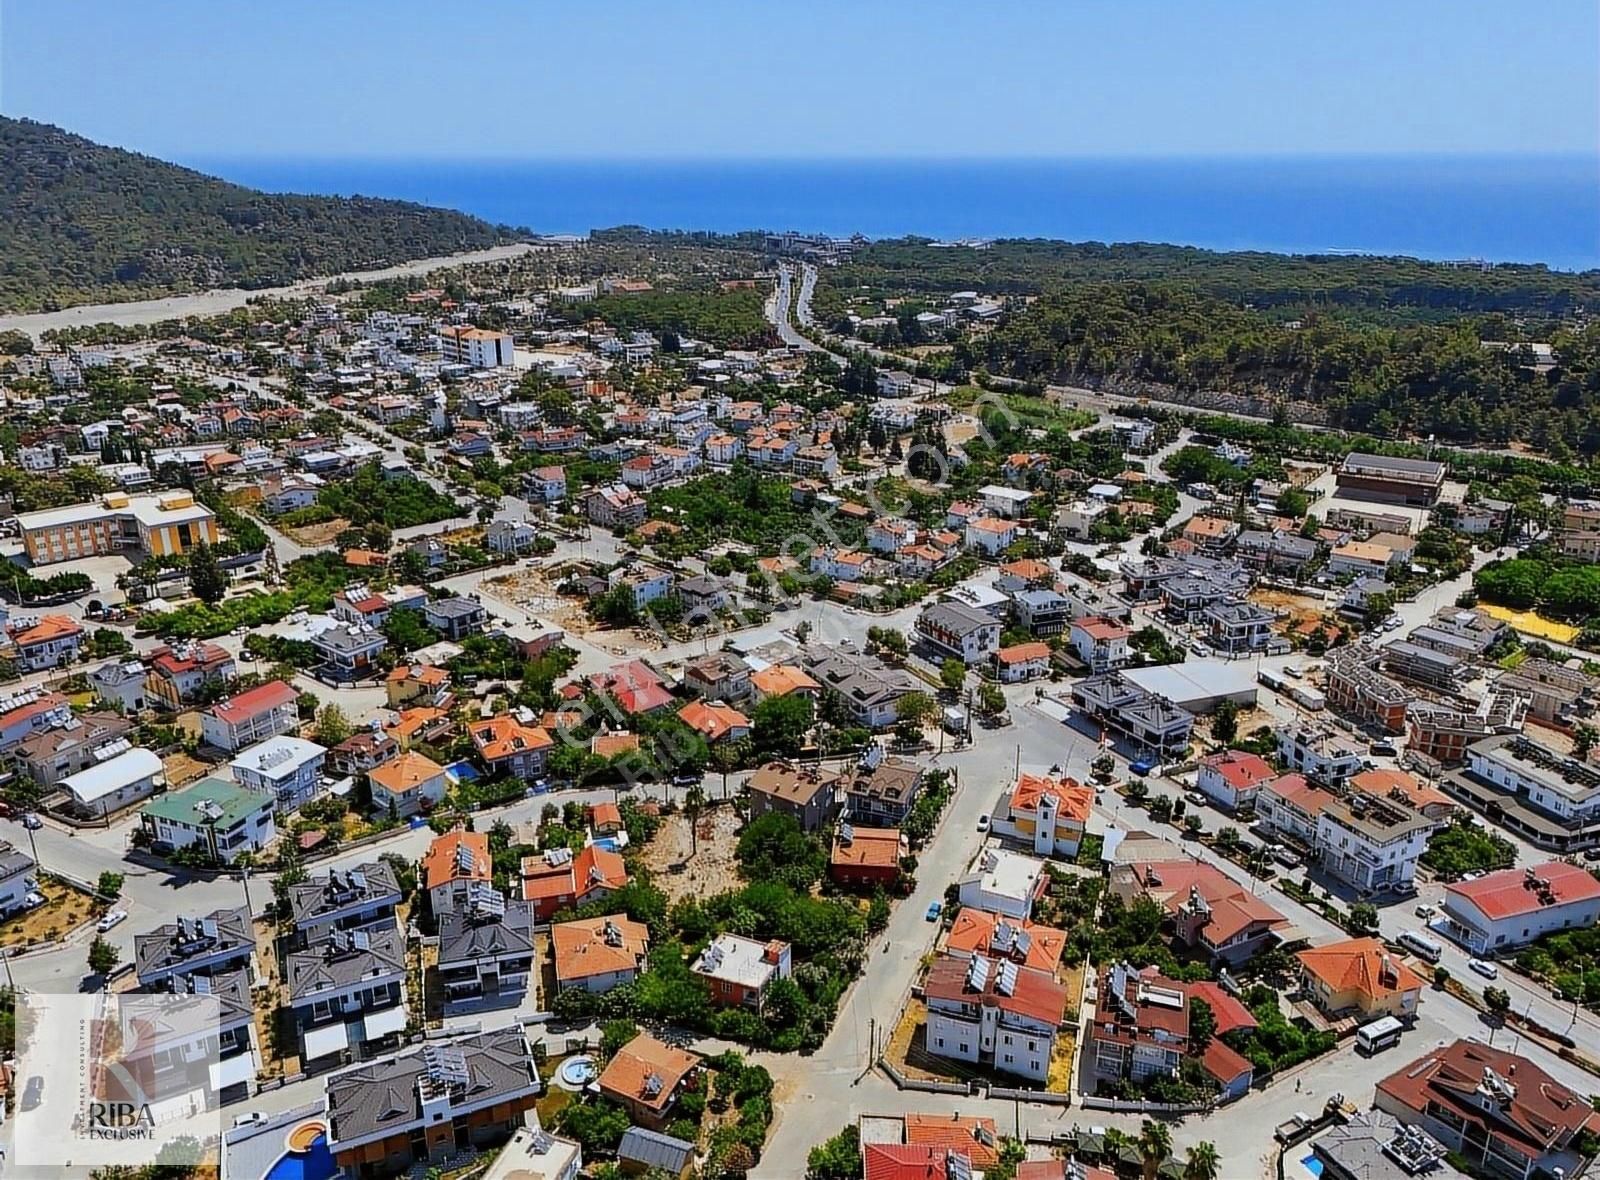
(381, 1024)
(233, 1071)
(330, 1038)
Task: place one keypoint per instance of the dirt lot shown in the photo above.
(317, 536)
(182, 769)
(63, 911)
(534, 592)
(1300, 606)
(710, 870)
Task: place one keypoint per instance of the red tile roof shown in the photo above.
(1074, 798)
(902, 1161)
(1511, 892)
(1362, 965)
(440, 866)
(1240, 769)
(246, 705)
(954, 1133)
(1037, 995)
(974, 930)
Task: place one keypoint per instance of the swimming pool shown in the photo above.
(462, 772)
(314, 1163)
(577, 1072)
(1313, 1165)
(609, 843)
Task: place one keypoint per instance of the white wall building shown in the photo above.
(286, 768)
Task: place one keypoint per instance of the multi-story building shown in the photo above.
(866, 689)
(348, 994)
(263, 712)
(289, 769)
(1003, 882)
(807, 793)
(1552, 799)
(18, 878)
(406, 785)
(1579, 535)
(454, 863)
(120, 683)
(366, 897)
(159, 525)
(1359, 976)
(953, 629)
(1102, 644)
(41, 644)
(646, 1077)
(1391, 481)
(1426, 666)
(719, 676)
(1237, 627)
(1502, 1113)
(615, 506)
(1047, 814)
(1319, 752)
(350, 652)
(83, 741)
(222, 818)
(1374, 844)
(1513, 907)
(432, 1102)
(1291, 806)
(1041, 611)
(866, 858)
(1208, 909)
(560, 880)
(1141, 1026)
(511, 744)
(1233, 777)
(179, 674)
(738, 970)
(455, 618)
(597, 954)
(1555, 692)
(486, 950)
(478, 348)
(993, 1012)
(1151, 723)
(222, 941)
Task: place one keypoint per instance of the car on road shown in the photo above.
(1196, 798)
(32, 822)
(33, 1092)
(1384, 749)
(111, 919)
(1472, 875)
(1425, 911)
(254, 1118)
(983, 823)
(934, 910)
(1484, 968)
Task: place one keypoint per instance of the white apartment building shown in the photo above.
(1516, 906)
(996, 1012)
(286, 768)
(1559, 786)
(477, 347)
(1374, 844)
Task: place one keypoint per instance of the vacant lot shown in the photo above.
(705, 865)
(63, 911)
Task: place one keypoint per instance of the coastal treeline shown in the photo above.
(81, 222)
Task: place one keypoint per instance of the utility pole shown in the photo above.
(872, 1040)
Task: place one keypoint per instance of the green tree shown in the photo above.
(991, 700)
(773, 847)
(1202, 1162)
(332, 725)
(1155, 1146)
(694, 801)
(207, 582)
(915, 708)
(1202, 1025)
(109, 884)
(1497, 1000)
(1225, 722)
(103, 956)
(406, 631)
(952, 674)
(1363, 918)
(779, 725)
(1583, 737)
(838, 1158)
(614, 1035)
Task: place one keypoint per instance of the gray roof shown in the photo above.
(13, 861)
(348, 639)
(454, 608)
(1356, 1148)
(1366, 464)
(862, 678)
(188, 940)
(465, 936)
(1040, 599)
(232, 989)
(118, 672)
(370, 954)
(1238, 612)
(957, 617)
(655, 1150)
(384, 1097)
(367, 884)
(701, 587)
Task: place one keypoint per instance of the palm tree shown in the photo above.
(693, 800)
(1155, 1144)
(1202, 1163)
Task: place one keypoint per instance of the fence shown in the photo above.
(1138, 1106)
(905, 1083)
(1048, 1097)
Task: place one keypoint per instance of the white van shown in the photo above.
(1422, 946)
(1377, 1035)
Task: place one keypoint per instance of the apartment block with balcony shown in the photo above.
(994, 1012)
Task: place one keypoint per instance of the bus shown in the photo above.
(1422, 946)
(1377, 1035)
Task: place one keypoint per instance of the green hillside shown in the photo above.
(81, 223)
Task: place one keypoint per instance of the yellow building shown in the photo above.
(1359, 976)
(159, 524)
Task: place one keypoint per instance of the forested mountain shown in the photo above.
(81, 222)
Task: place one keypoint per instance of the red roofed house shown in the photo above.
(1359, 976)
(511, 745)
(558, 880)
(1233, 777)
(1101, 643)
(635, 687)
(48, 643)
(252, 716)
(1022, 661)
(993, 1012)
(980, 932)
(866, 856)
(1048, 814)
(912, 1161)
(178, 674)
(1141, 1025)
(1291, 804)
(715, 722)
(1500, 1111)
(1208, 908)
(1516, 906)
(453, 864)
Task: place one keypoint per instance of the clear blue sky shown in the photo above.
(188, 79)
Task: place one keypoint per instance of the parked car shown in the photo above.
(110, 919)
(983, 823)
(1196, 798)
(1484, 968)
(33, 1092)
(934, 909)
(1425, 911)
(254, 1118)
(32, 822)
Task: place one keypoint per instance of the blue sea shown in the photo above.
(1500, 209)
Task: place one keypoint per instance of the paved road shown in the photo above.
(208, 303)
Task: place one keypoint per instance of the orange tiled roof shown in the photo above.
(504, 737)
(441, 866)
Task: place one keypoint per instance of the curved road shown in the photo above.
(205, 303)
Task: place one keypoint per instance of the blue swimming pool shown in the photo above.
(462, 772)
(1313, 1165)
(609, 843)
(316, 1163)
